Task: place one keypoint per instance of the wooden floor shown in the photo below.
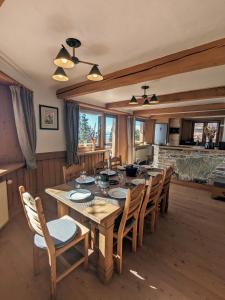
(184, 259)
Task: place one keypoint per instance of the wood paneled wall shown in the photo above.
(47, 174)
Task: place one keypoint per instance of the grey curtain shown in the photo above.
(23, 108)
(130, 139)
(71, 117)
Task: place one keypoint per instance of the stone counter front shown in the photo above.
(191, 163)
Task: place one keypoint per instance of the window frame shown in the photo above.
(116, 130)
(88, 147)
(144, 131)
(205, 122)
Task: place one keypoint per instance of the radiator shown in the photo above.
(4, 213)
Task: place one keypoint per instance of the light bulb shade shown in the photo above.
(95, 74)
(60, 75)
(133, 100)
(146, 102)
(154, 99)
(64, 59)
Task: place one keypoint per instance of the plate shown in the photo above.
(153, 173)
(79, 194)
(87, 179)
(138, 181)
(146, 167)
(121, 168)
(118, 193)
(108, 172)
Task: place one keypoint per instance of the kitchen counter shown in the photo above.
(191, 163)
(189, 148)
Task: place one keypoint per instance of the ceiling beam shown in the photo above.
(180, 109)
(1, 2)
(214, 93)
(200, 57)
(190, 114)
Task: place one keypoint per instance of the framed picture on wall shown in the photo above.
(49, 117)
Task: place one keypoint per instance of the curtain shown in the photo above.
(130, 139)
(114, 137)
(23, 108)
(71, 117)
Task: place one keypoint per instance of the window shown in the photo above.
(199, 135)
(110, 130)
(198, 132)
(89, 128)
(139, 131)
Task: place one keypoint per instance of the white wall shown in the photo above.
(47, 140)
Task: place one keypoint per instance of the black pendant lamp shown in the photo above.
(60, 75)
(64, 59)
(133, 100)
(95, 74)
(147, 101)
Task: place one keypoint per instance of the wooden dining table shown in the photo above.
(101, 210)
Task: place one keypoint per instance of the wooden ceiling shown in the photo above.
(208, 55)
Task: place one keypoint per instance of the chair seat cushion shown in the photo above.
(61, 232)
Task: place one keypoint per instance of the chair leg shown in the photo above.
(86, 246)
(36, 259)
(163, 204)
(167, 202)
(93, 236)
(119, 257)
(134, 237)
(141, 231)
(53, 277)
(153, 221)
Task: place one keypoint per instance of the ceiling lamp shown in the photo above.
(95, 74)
(66, 61)
(148, 99)
(60, 75)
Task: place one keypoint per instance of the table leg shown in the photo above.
(105, 261)
(62, 209)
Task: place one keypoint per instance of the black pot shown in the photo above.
(131, 171)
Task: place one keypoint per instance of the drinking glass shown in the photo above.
(83, 174)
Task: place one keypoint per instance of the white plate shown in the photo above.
(146, 166)
(87, 179)
(79, 194)
(153, 173)
(108, 172)
(138, 181)
(118, 193)
(121, 168)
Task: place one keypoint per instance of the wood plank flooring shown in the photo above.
(184, 259)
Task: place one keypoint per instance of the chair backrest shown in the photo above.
(115, 161)
(71, 172)
(153, 191)
(167, 178)
(132, 205)
(35, 217)
(101, 165)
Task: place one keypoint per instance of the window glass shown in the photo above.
(110, 128)
(198, 132)
(89, 128)
(139, 131)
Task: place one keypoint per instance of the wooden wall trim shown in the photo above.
(210, 93)
(196, 58)
(50, 155)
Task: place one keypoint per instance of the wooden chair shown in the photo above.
(100, 166)
(71, 172)
(115, 162)
(55, 237)
(127, 222)
(150, 204)
(164, 197)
